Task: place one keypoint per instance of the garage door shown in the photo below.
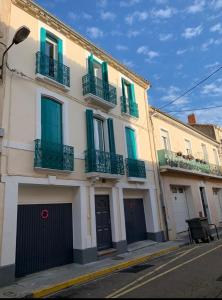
(135, 220)
(180, 209)
(44, 237)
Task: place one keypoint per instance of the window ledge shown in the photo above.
(100, 175)
(137, 179)
(129, 115)
(52, 82)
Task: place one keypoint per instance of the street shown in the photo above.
(190, 272)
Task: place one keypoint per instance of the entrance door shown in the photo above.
(180, 209)
(204, 203)
(103, 223)
(135, 220)
(44, 237)
(218, 203)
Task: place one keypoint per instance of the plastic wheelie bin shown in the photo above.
(200, 230)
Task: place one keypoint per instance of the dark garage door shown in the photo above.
(135, 220)
(103, 223)
(44, 237)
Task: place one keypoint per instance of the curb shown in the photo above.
(97, 274)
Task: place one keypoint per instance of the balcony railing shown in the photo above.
(176, 160)
(129, 108)
(52, 69)
(135, 168)
(53, 156)
(98, 87)
(104, 162)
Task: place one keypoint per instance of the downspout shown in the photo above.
(158, 172)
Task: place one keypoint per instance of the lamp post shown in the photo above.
(20, 35)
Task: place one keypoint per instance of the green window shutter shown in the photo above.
(132, 93)
(123, 103)
(60, 61)
(112, 147)
(90, 65)
(131, 143)
(42, 40)
(105, 72)
(51, 121)
(90, 130)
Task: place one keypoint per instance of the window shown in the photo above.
(97, 70)
(216, 156)
(51, 47)
(99, 134)
(128, 100)
(131, 143)
(165, 139)
(188, 147)
(205, 154)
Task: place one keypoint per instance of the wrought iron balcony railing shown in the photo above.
(176, 160)
(98, 87)
(51, 68)
(104, 162)
(129, 108)
(135, 168)
(53, 156)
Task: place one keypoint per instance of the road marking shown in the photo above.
(164, 273)
(149, 273)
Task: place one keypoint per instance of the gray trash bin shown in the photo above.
(200, 229)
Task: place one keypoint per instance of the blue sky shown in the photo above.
(172, 43)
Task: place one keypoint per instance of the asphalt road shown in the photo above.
(191, 272)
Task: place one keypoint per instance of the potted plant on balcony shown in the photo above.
(190, 157)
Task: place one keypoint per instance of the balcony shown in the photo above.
(99, 92)
(136, 170)
(169, 160)
(103, 164)
(51, 70)
(129, 108)
(53, 156)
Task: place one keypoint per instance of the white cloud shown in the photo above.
(102, 3)
(216, 4)
(192, 32)
(216, 28)
(172, 93)
(164, 13)
(150, 54)
(181, 51)
(108, 16)
(94, 32)
(121, 47)
(163, 37)
(86, 16)
(128, 63)
(137, 15)
(116, 33)
(72, 16)
(205, 46)
(179, 66)
(128, 3)
(196, 7)
(213, 65)
(212, 89)
(133, 33)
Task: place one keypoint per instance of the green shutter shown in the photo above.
(90, 65)
(112, 147)
(131, 143)
(123, 103)
(90, 130)
(51, 121)
(132, 94)
(42, 40)
(105, 72)
(60, 61)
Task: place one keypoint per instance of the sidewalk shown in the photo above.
(43, 283)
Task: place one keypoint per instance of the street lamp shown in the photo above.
(20, 35)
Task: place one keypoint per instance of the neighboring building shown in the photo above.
(190, 172)
(212, 130)
(78, 169)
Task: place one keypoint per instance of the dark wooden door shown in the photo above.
(103, 223)
(44, 237)
(134, 220)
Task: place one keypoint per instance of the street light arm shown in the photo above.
(3, 58)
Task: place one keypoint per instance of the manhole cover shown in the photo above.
(137, 268)
(117, 258)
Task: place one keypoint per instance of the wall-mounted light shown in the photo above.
(21, 34)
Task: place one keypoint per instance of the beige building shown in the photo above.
(190, 172)
(77, 163)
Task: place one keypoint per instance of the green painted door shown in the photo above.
(51, 130)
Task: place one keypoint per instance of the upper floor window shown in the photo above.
(99, 134)
(216, 159)
(128, 99)
(205, 154)
(188, 147)
(165, 139)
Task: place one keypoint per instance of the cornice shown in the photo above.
(41, 14)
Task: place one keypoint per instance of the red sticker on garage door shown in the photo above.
(44, 214)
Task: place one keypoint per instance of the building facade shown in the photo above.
(78, 170)
(190, 172)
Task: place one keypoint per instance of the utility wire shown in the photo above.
(191, 89)
(195, 109)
